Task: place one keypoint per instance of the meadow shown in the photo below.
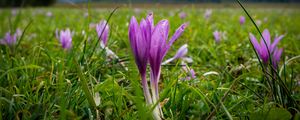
(40, 79)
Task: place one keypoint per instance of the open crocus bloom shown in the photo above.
(262, 48)
(149, 43)
(65, 38)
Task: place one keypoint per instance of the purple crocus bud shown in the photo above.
(9, 39)
(242, 20)
(262, 48)
(182, 15)
(207, 13)
(102, 30)
(140, 36)
(158, 49)
(65, 38)
(217, 36)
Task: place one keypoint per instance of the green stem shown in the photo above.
(85, 87)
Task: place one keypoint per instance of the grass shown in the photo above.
(39, 80)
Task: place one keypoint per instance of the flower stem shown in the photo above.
(146, 89)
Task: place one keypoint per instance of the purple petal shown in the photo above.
(264, 54)
(242, 19)
(276, 57)
(176, 35)
(254, 42)
(102, 30)
(267, 37)
(139, 45)
(217, 36)
(158, 40)
(133, 26)
(193, 74)
(182, 51)
(146, 30)
(276, 41)
(150, 20)
(158, 43)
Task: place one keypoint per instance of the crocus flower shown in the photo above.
(102, 30)
(262, 48)
(191, 73)
(242, 20)
(140, 36)
(149, 43)
(65, 38)
(180, 54)
(9, 39)
(182, 15)
(158, 49)
(207, 13)
(217, 36)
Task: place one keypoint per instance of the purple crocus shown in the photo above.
(191, 73)
(207, 13)
(181, 53)
(65, 38)
(149, 43)
(102, 30)
(158, 49)
(262, 48)
(242, 20)
(217, 36)
(182, 15)
(9, 39)
(140, 36)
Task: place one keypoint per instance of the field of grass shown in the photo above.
(41, 80)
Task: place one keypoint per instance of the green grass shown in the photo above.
(39, 80)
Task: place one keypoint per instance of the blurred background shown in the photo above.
(27, 3)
